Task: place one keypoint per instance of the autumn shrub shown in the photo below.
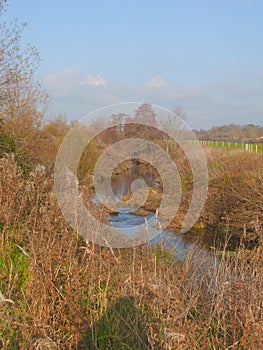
(60, 292)
(234, 202)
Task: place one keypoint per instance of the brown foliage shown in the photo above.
(235, 199)
(60, 292)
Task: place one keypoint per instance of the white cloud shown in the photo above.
(157, 82)
(69, 84)
(93, 80)
(63, 75)
(61, 83)
(75, 94)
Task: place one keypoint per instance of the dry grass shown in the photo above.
(59, 292)
(235, 198)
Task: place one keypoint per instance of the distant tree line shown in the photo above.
(249, 133)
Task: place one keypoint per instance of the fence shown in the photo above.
(249, 147)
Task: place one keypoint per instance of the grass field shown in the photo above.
(250, 147)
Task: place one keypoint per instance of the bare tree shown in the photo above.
(145, 114)
(22, 99)
(173, 123)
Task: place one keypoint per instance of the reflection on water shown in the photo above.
(174, 243)
(128, 220)
(177, 244)
(121, 184)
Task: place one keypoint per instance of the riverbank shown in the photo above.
(59, 291)
(233, 208)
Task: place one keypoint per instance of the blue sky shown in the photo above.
(206, 56)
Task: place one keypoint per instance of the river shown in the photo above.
(177, 244)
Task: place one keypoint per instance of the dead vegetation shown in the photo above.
(60, 292)
(235, 198)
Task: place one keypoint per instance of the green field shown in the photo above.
(251, 147)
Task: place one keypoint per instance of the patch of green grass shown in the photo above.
(11, 338)
(163, 256)
(13, 266)
(121, 327)
(14, 276)
(234, 145)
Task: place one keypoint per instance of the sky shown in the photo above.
(205, 56)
